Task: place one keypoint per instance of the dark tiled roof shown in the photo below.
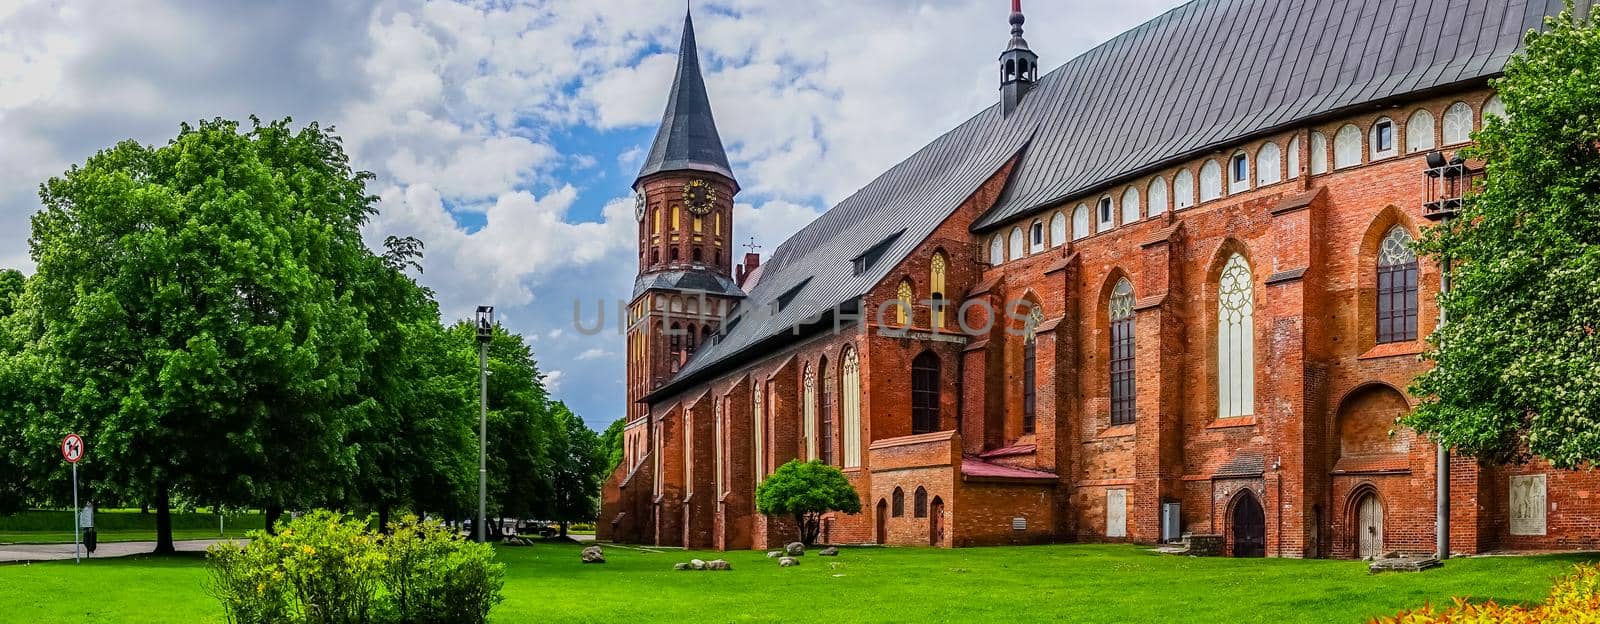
(702, 281)
(688, 137)
(1197, 78)
(1243, 465)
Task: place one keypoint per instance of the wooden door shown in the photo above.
(883, 521)
(1369, 527)
(1249, 527)
(936, 522)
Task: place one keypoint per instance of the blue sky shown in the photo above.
(506, 134)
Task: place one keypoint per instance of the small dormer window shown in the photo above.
(860, 265)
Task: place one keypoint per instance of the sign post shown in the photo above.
(72, 451)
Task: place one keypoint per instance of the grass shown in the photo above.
(1070, 583)
(120, 525)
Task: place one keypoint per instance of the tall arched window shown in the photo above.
(1080, 222)
(1130, 205)
(675, 345)
(1238, 173)
(1158, 196)
(718, 409)
(902, 306)
(825, 413)
(758, 440)
(925, 393)
(1457, 123)
(1210, 181)
(919, 503)
(1036, 237)
(1182, 190)
(808, 411)
(1269, 165)
(1122, 381)
(1236, 374)
(1419, 131)
(997, 250)
(1015, 243)
(936, 272)
(1494, 107)
(1347, 147)
(1105, 217)
(898, 506)
(1319, 153)
(655, 220)
(1397, 288)
(1030, 371)
(851, 382)
(677, 221)
(717, 221)
(1381, 141)
(1292, 159)
(1058, 229)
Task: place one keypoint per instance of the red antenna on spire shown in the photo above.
(1016, 6)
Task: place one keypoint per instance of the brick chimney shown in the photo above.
(742, 272)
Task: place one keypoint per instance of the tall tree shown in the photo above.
(203, 332)
(15, 387)
(578, 469)
(1517, 366)
(611, 445)
(11, 282)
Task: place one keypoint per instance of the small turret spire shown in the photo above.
(1019, 66)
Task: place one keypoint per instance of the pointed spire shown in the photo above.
(1017, 19)
(1019, 66)
(687, 139)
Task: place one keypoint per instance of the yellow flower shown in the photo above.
(308, 550)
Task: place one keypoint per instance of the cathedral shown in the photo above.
(1162, 292)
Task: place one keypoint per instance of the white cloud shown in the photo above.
(593, 354)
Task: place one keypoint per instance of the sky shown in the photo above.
(507, 134)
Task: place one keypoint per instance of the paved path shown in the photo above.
(12, 553)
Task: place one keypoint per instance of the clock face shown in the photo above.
(699, 196)
(638, 206)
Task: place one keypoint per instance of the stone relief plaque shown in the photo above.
(1116, 513)
(1528, 505)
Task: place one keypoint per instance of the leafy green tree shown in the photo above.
(806, 490)
(14, 391)
(203, 331)
(11, 282)
(578, 469)
(1517, 365)
(611, 443)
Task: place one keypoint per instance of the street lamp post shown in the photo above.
(485, 324)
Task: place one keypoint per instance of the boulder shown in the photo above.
(794, 549)
(774, 554)
(593, 554)
(788, 562)
(680, 566)
(718, 564)
(697, 564)
(830, 551)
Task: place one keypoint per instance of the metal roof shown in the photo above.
(1203, 75)
(687, 139)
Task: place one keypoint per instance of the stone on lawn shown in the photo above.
(786, 562)
(795, 549)
(593, 554)
(680, 566)
(774, 554)
(830, 551)
(697, 564)
(718, 564)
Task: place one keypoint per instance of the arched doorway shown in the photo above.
(883, 521)
(1369, 526)
(936, 522)
(1249, 526)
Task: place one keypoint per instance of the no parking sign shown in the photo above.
(72, 451)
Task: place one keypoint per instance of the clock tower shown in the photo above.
(683, 202)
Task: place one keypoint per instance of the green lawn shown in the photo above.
(120, 525)
(1073, 583)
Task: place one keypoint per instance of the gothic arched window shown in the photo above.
(1015, 243)
(1397, 288)
(902, 306)
(1236, 374)
(1130, 206)
(1030, 371)
(1157, 196)
(1106, 219)
(1182, 190)
(1381, 141)
(1319, 153)
(808, 409)
(758, 441)
(1494, 107)
(1120, 307)
(1269, 163)
(1058, 229)
(997, 250)
(925, 393)
(1210, 181)
(851, 381)
(920, 503)
(1457, 123)
(1292, 159)
(1419, 131)
(1347, 147)
(1036, 237)
(898, 504)
(936, 274)
(1080, 222)
(825, 412)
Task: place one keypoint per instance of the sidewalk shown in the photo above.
(13, 553)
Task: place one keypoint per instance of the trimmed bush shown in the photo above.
(324, 568)
(1575, 599)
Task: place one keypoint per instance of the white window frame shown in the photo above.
(1130, 205)
(1269, 164)
(1183, 190)
(1347, 147)
(1420, 128)
(1080, 222)
(1319, 153)
(1156, 196)
(1374, 136)
(1210, 181)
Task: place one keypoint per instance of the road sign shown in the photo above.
(72, 448)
